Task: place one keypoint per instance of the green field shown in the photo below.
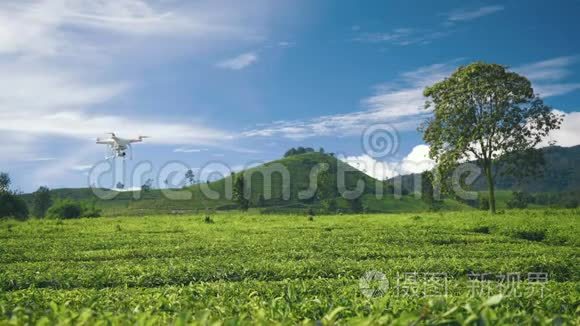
(246, 268)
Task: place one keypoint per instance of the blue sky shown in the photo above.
(239, 82)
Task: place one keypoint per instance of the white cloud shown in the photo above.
(416, 161)
(551, 69)
(52, 27)
(569, 132)
(240, 62)
(548, 76)
(54, 55)
(402, 106)
(402, 36)
(189, 150)
(84, 126)
(471, 14)
(81, 167)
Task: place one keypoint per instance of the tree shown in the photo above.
(356, 204)
(239, 192)
(427, 188)
(120, 185)
(481, 112)
(4, 182)
(41, 201)
(147, 185)
(326, 186)
(330, 205)
(520, 199)
(483, 203)
(11, 205)
(190, 177)
(261, 202)
(65, 209)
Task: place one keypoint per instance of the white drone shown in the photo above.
(118, 147)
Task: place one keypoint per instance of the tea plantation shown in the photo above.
(519, 267)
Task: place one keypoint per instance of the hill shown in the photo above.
(297, 170)
(560, 173)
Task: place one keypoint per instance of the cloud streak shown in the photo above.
(462, 15)
(549, 76)
(240, 62)
(401, 105)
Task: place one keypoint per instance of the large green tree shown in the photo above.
(483, 112)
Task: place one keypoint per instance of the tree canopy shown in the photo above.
(484, 111)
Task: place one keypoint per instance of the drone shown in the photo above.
(118, 147)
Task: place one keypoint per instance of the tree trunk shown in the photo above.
(490, 185)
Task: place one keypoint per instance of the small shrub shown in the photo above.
(207, 218)
(570, 203)
(416, 218)
(484, 203)
(481, 229)
(531, 235)
(65, 209)
(70, 209)
(519, 200)
(90, 211)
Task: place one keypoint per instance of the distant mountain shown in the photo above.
(561, 173)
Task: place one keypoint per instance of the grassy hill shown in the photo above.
(561, 173)
(299, 168)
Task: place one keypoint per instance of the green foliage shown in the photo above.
(249, 269)
(12, 205)
(570, 202)
(70, 209)
(65, 209)
(41, 202)
(330, 205)
(427, 191)
(520, 200)
(356, 204)
(299, 150)
(190, 176)
(240, 193)
(484, 111)
(483, 203)
(147, 185)
(4, 182)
